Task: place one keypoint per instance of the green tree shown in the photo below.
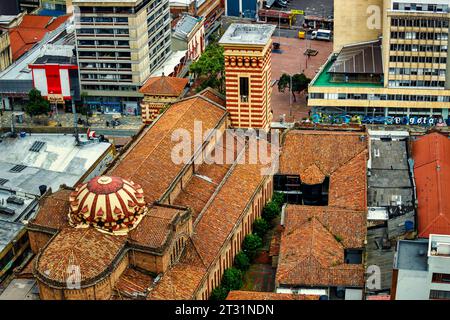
(36, 103)
(300, 82)
(279, 198)
(241, 261)
(270, 211)
(219, 293)
(252, 243)
(210, 67)
(260, 227)
(232, 279)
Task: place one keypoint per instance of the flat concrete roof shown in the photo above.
(21, 289)
(21, 206)
(412, 255)
(59, 161)
(240, 33)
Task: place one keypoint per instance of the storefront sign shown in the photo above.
(358, 119)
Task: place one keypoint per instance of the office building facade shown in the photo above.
(118, 46)
(402, 71)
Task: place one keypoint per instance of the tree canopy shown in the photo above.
(210, 68)
(300, 82)
(36, 103)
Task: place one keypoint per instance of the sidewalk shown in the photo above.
(67, 120)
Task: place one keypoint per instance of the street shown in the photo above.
(322, 8)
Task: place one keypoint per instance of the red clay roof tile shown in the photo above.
(431, 155)
(164, 86)
(254, 295)
(339, 155)
(93, 251)
(149, 162)
(312, 246)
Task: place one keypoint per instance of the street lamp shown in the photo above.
(279, 25)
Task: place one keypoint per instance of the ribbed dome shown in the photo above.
(111, 204)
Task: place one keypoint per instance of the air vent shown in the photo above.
(7, 211)
(18, 168)
(3, 181)
(15, 200)
(37, 146)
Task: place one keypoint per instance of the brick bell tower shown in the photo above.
(248, 74)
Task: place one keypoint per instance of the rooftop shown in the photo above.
(15, 207)
(431, 155)
(253, 295)
(164, 86)
(313, 243)
(323, 79)
(339, 155)
(390, 182)
(253, 34)
(439, 246)
(48, 45)
(412, 255)
(148, 162)
(227, 200)
(362, 58)
(21, 289)
(170, 63)
(185, 26)
(58, 161)
(95, 252)
(30, 31)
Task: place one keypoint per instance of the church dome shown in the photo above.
(109, 204)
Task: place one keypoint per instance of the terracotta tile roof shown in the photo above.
(214, 95)
(342, 156)
(181, 281)
(379, 297)
(164, 86)
(196, 195)
(312, 247)
(254, 295)
(219, 219)
(149, 161)
(30, 31)
(431, 155)
(89, 248)
(207, 178)
(155, 228)
(211, 231)
(53, 210)
(133, 283)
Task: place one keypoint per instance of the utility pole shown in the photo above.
(290, 96)
(75, 121)
(279, 27)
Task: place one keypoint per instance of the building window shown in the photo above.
(244, 88)
(438, 294)
(353, 256)
(441, 277)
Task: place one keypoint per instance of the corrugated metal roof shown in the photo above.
(185, 26)
(431, 155)
(364, 58)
